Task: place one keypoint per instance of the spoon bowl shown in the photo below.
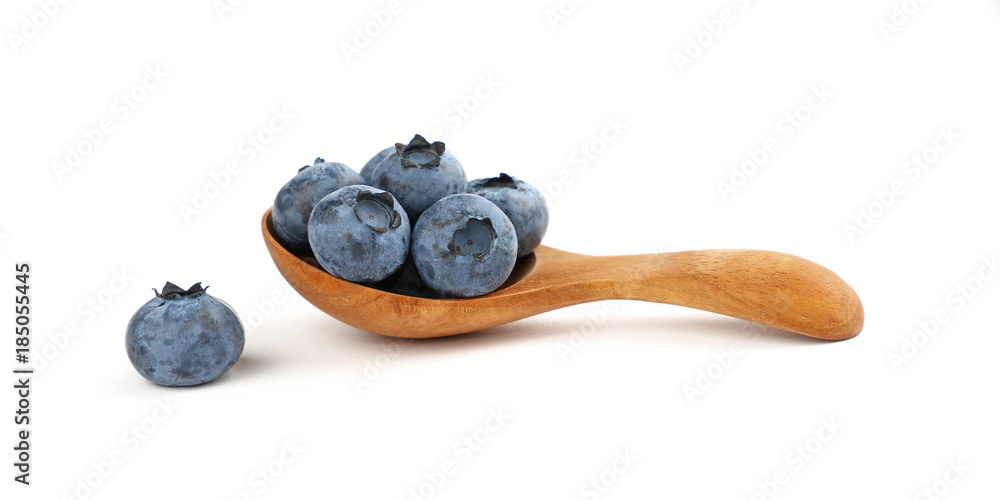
(770, 288)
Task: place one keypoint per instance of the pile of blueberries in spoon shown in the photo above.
(410, 222)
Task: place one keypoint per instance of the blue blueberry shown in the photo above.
(464, 246)
(369, 168)
(419, 174)
(522, 203)
(182, 338)
(360, 234)
(298, 196)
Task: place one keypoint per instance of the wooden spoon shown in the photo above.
(770, 288)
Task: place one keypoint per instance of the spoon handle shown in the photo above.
(770, 288)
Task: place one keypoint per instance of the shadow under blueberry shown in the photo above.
(248, 366)
(251, 365)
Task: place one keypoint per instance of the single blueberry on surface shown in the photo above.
(419, 174)
(298, 197)
(360, 234)
(523, 204)
(369, 168)
(464, 246)
(184, 337)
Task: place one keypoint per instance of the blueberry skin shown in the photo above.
(418, 186)
(360, 234)
(182, 339)
(445, 258)
(522, 203)
(296, 199)
(369, 168)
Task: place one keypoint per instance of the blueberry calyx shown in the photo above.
(500, 181)
(375, 210)
(317, 162)
(477, 236)
(420, 153)
(171, 290)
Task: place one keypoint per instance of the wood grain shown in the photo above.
(770, 288)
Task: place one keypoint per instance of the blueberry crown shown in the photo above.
(420, 153)
(171, 290)
(500, 181)
(474, 239)
(317, 162)
(385, 202)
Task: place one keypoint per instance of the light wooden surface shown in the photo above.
(770, 288)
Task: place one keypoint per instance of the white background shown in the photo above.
(581, 385)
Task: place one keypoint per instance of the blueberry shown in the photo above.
(522, 203)
(369, 168)
(420, 174)
(464, 246)
(360, 234)
(182, 338)
(298, 196)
